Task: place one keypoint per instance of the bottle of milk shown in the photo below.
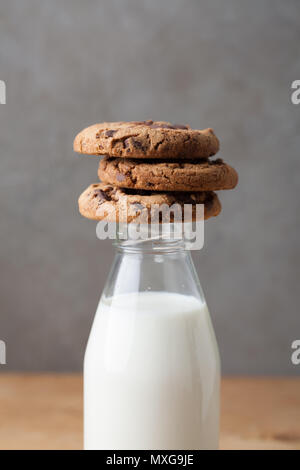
(151, 369)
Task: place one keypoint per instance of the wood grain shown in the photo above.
(45, 412)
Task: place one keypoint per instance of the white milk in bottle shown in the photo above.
(151, 374)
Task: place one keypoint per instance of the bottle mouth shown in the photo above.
(151, 245)
(153, 238)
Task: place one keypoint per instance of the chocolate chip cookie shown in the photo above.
(146, 139)
(200, 175)
(105, 202)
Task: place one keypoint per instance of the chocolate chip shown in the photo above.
(102, 195)
(109, 133)
(169, 126)
(162, 126)
(180, 126)
(141, 123)
(137, 144)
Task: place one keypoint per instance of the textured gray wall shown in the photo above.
(225, 64)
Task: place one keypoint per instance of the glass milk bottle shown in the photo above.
(151, 369)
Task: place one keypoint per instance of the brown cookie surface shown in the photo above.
(146, 139)
(202, 175)
(105, 202)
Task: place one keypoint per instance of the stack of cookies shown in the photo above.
(150, 163)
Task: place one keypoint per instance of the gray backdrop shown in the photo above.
(225, 64)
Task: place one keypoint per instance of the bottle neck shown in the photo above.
(156, 263)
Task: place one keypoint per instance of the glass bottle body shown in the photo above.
(151, 369)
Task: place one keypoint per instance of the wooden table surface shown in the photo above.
(45, 412)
